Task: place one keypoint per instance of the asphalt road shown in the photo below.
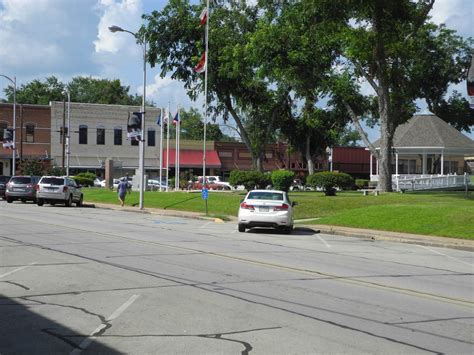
(84, 280)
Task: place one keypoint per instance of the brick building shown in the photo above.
(33, 135)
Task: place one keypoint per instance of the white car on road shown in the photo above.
(266, 208)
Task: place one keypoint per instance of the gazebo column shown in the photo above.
(442, 162)
(424, 163)
(396, 163)
(371, 167)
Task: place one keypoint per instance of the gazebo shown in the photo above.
(427, 147)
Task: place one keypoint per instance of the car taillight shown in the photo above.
(246, 206)
(283, 207)
(65, 189)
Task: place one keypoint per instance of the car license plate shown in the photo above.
(263, 209)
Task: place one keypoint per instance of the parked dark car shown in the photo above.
(21, 188)
(3, 184)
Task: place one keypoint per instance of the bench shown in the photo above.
(376, 192)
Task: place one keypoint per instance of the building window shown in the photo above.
(3, 127)
(100, 135)
(117, 136)
(225, 154)
(30, 132)
(151, 138)
(82, 134)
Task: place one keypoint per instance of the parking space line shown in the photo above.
(205, 224)
(325, 243)
(17, 269)
(449, 257)
(86, 342)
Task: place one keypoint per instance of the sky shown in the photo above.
(69, 38)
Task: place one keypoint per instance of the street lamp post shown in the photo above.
(14, 122)
(68, 136)
(141, 166)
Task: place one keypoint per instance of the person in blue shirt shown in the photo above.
(122, 190)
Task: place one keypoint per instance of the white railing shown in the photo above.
(429, 182)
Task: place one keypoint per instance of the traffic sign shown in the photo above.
(204, 193)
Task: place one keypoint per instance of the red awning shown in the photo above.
(192, 158)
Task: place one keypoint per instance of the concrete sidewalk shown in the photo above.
(443, 242)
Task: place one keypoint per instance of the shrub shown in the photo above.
(56, 171)
(361, 183)
(31, 166)
(282, 179)
(85, 179)
(250, 179)
(329, 181)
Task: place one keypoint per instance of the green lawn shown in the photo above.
(449, 214)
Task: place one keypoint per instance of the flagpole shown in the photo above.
(168, 148)
(161, 148)
(179, 143)
(175, 154)
(205, 100)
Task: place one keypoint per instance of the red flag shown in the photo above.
(201, 66)
(203, 16)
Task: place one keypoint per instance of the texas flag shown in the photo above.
(201, 66)
(203, 16)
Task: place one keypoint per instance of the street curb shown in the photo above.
(425, 240)
(370, 234)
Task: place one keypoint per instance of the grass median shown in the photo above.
(447, 214)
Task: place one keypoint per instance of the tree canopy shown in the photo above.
(82, 89)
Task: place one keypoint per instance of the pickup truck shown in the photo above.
(213, 183)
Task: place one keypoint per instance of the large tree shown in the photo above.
(175, 36)
(82, 89)
(392, 46)
(295, 49)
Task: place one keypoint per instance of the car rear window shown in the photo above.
(266, 196)
(53, 181)
(4, 178)
(21, 180)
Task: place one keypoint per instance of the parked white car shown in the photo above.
(98, 182)
(55, 189)
(266, 208)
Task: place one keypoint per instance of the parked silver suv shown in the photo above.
(54, 189)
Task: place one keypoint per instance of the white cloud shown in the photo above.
(45, 37)
(456, 14)
(125, 14)
(166, 90)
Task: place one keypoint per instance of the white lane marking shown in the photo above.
(86, 342)
(450, 257)
(205, 224)
(325, 243)
(17, 269)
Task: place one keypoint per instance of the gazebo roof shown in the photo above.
(430, 133)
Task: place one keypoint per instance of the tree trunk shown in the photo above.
(308, 156)
(386, 143)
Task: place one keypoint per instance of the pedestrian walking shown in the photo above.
(122, 190)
